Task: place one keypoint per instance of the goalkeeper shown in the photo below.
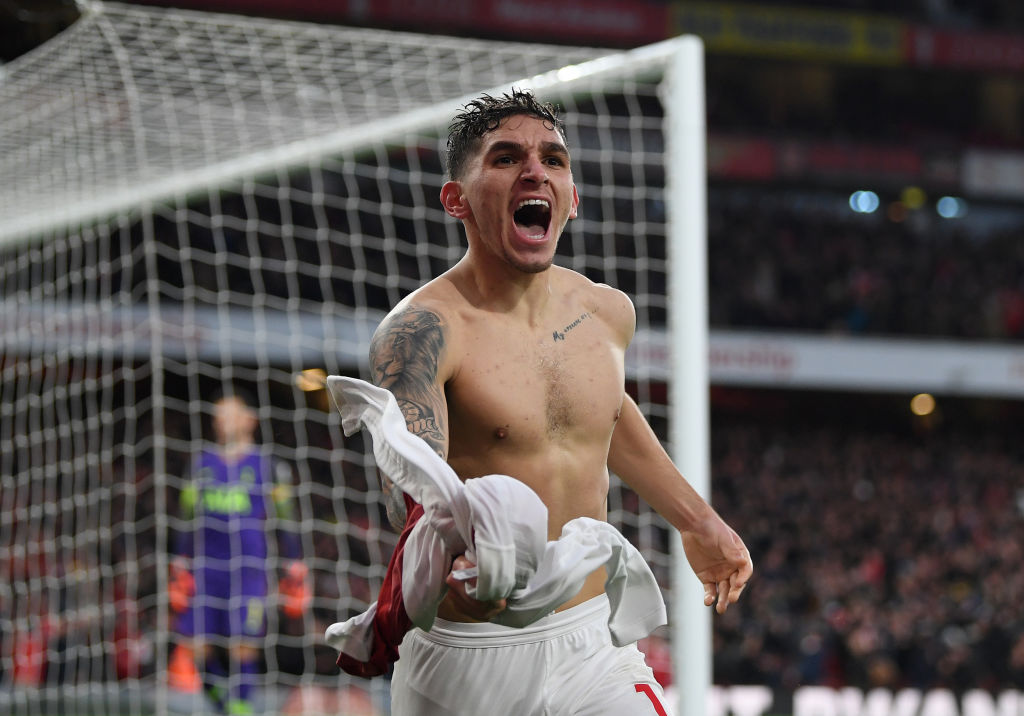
(219, 585)
(507, 364)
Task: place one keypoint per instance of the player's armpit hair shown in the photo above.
(404, 357)
(394, 505)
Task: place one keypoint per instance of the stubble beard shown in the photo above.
(528, 267)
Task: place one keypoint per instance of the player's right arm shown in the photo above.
(406, 353)
(182, 544)
(409, 356)
(180, 583)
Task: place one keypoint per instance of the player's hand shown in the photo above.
(465, 604)
(720, 560)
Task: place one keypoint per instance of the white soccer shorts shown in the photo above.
(562, 665)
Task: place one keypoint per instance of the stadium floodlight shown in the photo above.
(951, 207)
(193, 198)
(864, 202)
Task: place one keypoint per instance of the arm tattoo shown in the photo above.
(404, 355)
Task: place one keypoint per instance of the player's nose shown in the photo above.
(534, 170)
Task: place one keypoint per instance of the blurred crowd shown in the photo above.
(822, 270)
(881, 560)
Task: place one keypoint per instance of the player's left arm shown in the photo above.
(293, 583)
(716, 553)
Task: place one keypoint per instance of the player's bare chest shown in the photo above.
(540, 384)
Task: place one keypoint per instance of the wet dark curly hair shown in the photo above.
(484, 115)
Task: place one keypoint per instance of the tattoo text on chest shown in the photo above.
(560, 335)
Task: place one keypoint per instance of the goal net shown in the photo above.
(195, 203)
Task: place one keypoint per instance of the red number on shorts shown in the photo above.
(646, 689)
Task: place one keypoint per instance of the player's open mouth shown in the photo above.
(532, 218)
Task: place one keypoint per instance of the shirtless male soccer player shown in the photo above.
(508, 364)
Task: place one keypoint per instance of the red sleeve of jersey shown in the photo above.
(391, 621)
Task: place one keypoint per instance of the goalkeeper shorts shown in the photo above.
(563, 664)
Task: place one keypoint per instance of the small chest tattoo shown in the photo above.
(560, 335)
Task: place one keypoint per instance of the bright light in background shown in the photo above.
(897, 212)
(913, 197)
(311, 379)
(951, 207)
(864, 202)
(569, 73)
(922, 404)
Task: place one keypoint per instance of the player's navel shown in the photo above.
(501, 432)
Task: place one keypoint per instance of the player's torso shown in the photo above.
(232, 488)
(231, 504)
(539, 405)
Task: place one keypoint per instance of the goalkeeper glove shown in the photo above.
(181, 586)
(294, 590)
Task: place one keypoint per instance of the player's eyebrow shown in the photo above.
(511, 147)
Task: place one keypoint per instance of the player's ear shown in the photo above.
(575, 202)
(453, 200)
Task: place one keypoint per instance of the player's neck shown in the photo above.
(233, 451)
(505, 289)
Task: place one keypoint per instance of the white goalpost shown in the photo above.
(689, 411)
(196, 201)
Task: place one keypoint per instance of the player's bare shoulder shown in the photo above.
(409, 355)
(413, 342)
(608, 304)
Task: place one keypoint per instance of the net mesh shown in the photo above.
(195, 201)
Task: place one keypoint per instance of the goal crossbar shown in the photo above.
(143, 185)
